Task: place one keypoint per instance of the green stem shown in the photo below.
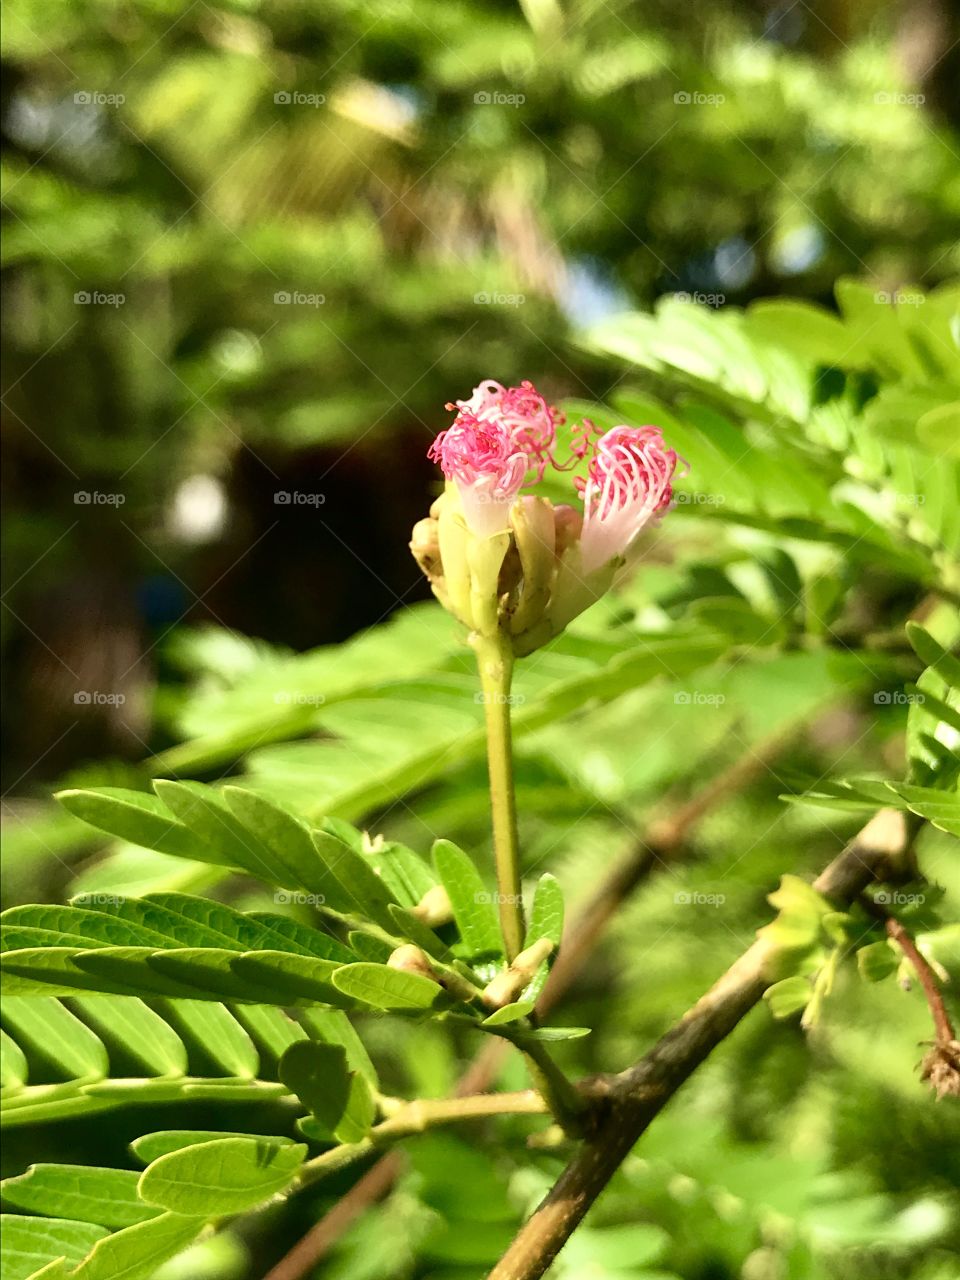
(495, 663)
(416, 1117)
(568, 1105)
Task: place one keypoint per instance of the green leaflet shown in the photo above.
(318, 1075)
(127, 1024)
(369, 946)
(175, 945)
(284, 838)
(56, 1034)
(228, 1175)
(788, 996)
(135, 1252)
(408, 926)
(548, 1035)
(13, 1063)
(939, 807)
(546, 914)
(27, 1244)
(358, 887)
(151, 1146)
(218, 830)
(79, 923)
(546, 921)
(214, 1032)
(291, 979)
(211, 971)
(339, 1100)
(509, 1013)
(473, 905)
(55, 971)
(815, 334)
(272, 1029)
(334, 1027)
(128, 970)
(291, 935)
(877, 961)
(359, 1113)
(405, 873)
(106, 1197)
(136, 816)
(384, 988)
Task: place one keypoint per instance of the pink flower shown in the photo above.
(499, 434)
(523, 411)
(629, 482)
(483, 460)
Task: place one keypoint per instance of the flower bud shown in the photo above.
(434, 907)
(532, 520)
(515, 566)
(410, 959)
(507, 985)
(567, 525)
(453, 539)
(425, 545)
(485, 558)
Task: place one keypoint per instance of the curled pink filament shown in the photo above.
(629, 482)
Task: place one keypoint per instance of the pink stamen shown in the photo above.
(629, 482)
(499, 435)
(523, 410)
(483, 460)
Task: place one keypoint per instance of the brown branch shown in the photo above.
(931, 988)
(321, 1237)
(662, 843)
(941, 1066)
(641, 1091)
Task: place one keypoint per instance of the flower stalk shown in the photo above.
(495, 664)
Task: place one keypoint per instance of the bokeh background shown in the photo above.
(255, 248)
(250, 252)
